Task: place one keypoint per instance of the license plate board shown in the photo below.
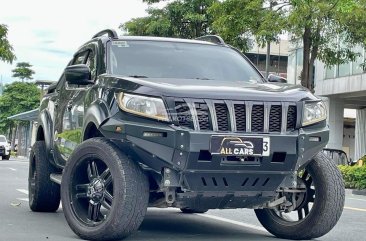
(240, 145)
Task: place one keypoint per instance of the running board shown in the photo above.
(56, 178)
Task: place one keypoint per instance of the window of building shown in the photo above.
(356, 66)
(344, 70)
(330, 72)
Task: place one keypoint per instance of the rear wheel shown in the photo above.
(317, 210)
(104, 193)
(44, 195)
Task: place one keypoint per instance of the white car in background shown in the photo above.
(4, 148)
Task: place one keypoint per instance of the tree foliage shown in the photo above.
(23, 71)
(6, 50)
(328, 29)
(180, 18)
(238, 21)
(319, 24)
(17, 97)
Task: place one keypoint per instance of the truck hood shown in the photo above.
(209, 89)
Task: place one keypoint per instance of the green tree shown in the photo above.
(238, 21)
(6, 50)
(180, 18)
(23, 71)
(319, 24)
(17, 97)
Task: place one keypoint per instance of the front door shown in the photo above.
(69, 118)
(69, 131)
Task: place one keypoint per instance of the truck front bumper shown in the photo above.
(192, 168)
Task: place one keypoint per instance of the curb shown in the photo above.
(359, 192)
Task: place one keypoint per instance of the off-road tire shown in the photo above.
(193, 210)
(327, 208)
(44, 195)
(130, 192)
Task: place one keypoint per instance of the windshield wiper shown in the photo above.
(138, 76)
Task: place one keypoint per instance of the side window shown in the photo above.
(80, 58)
(90, 62)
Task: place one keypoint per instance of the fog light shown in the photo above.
(154, 134)
(314, 138)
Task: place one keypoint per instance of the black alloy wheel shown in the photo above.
(104, 193)
(319, 203)
(92, 191)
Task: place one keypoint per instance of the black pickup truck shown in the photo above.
(143, 121)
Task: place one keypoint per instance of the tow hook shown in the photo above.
(170, 196)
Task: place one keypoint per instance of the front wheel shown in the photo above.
(7, 157)
(318, 209)
(104, 193)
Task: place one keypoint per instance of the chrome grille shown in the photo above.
(237, 116)
(291, 118)
(240, 117)
(184, 116)
(222, 116)
(275, 118)
(203, 116)
(257, 118)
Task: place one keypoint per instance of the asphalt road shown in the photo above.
(18, 223)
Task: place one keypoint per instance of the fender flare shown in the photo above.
(97, 113)
(45, 122)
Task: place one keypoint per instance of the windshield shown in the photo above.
(159, 59)
(2, 139)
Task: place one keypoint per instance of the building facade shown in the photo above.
(278, 57)
(344, 87)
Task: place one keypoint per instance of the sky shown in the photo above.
(47, 33)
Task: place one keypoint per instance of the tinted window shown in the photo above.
(2, 139)
(80, 58)
(90, 62)
(158, 59)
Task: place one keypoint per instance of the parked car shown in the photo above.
(4, 148)
(338, 156)
(143, 121)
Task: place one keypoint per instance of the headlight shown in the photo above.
(142, 105)
(314, 112)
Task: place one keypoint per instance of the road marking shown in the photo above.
(23, 191)
(13, 169)
(246, 225)
(356, 209)
(23, 199)
(358, 199)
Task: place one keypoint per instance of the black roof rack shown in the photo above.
(212, 39)
(111, 33)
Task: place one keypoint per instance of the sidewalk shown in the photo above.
(20, 158)
(359, 192)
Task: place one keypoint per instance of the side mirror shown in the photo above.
(276, 79)
(78, 75)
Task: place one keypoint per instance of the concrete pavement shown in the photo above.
(17, 222)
